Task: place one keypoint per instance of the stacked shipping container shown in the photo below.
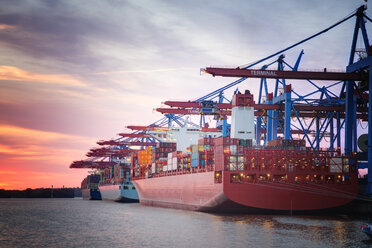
(202, 154)
(288, 144)
(275, 163)
(229, 153)
(145, 157)
(153, 160)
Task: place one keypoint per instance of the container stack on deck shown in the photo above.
(175, 161)
(272, 163)
(206, 146)
(202, 154)
(232, 154)
(145, 157)
(90, 182)
(113, 174)
(186, 160)
(106, 175)
(154, 160)
(135, 164)
(229, 153)
(288, 144)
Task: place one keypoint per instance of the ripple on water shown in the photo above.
(80, 223)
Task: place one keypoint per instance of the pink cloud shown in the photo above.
(34, 158)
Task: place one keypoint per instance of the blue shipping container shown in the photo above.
(194, 162)
(195, 155)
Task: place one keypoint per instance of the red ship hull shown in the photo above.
(200, 192)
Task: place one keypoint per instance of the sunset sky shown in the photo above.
(74, 72)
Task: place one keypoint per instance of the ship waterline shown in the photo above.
(200, 192)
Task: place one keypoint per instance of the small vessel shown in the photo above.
(117, 186)
(110, 191)
(111, 180)
(128, 192)
(125, 192)
(367, 230)
(89, 187)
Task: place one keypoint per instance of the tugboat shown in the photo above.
(367, 230)
(128, 192)
(125, 192)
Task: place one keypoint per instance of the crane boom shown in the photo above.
(187, 111)
(195, 104)
(311, 75)
(183, 108)
(92, 164)
(128, 143)
(134, 135)
(303, 111)
(148, 128)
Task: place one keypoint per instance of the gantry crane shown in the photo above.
(352, 98)
(274, 110)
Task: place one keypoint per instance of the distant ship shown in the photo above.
(89, 187)
(230, 174)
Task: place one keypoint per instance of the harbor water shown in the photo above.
(82, 223)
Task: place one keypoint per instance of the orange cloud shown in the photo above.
(48, 152)
(15, 74)
(3, 185)
(37, 179)
(35, 158)
(5, 172)
(3, 101)
(10, 150)
(32, 134)
(6, 26)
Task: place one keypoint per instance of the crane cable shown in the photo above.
(300, 42)
(360, 123)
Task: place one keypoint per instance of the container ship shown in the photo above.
(232, 175)
(110, 180)
(89, 188)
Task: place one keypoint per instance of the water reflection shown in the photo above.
(303, 231)
(74, 223)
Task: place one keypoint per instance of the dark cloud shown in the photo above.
(72, 32)
(62, 32)
(71, 38)
(149, 35)
(43, 37)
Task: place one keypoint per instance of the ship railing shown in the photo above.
(178, 172)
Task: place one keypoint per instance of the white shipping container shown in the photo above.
(174, 163)
(233, 149)
(335, 165)
(153, 168)
(242, 123)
